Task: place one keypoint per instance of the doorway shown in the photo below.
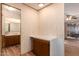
(11, 31)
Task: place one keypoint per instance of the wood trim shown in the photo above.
(10, 6)
(29, 6)
(45, 6)
(1, 28)
(39, 9)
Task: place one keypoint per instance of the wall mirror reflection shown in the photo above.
(11, 17)
(71, 41)
(72, 27)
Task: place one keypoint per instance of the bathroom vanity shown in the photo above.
(11, 39)
(40, 47)
(44, 45)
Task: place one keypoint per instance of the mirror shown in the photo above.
(72, 28)
(11, 31)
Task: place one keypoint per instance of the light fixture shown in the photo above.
(40, 5)
(69, 17)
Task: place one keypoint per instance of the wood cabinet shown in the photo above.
(40, 47)
(11, 40)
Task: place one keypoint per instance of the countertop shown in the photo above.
(12, 33)
(44, 37)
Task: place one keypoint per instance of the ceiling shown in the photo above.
(35, 5)
(71, 9)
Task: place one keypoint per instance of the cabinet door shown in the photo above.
(44, 51)
(35, 46)
(40, 47)
(11, 40)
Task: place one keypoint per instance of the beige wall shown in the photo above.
(52, 22)
(49, 21)
(29, 25)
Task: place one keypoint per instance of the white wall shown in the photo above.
(52, 23)
(29, 25)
